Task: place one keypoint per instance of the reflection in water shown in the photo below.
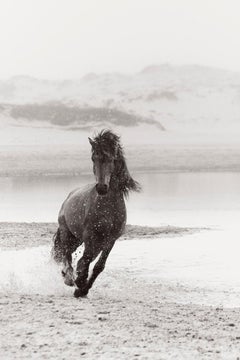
(39, 198)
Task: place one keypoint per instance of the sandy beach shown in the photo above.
(128, 314)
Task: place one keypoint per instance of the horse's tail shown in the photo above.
(55, 252)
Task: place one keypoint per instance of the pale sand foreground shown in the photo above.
(125, 316)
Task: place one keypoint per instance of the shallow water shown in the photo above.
(201, 268)
(177, 198)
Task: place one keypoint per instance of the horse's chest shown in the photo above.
(107, 219)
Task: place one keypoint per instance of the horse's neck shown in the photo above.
(115, 187)
(120, 178)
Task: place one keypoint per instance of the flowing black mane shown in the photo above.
(108, 143)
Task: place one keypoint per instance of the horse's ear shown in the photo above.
(91, 141)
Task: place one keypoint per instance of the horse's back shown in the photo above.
(74, 208)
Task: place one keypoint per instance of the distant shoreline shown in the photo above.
(154, 159)
(19, 235)
(143, 171)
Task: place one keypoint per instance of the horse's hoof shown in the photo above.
(80, 292)
(68, 282)
(68, 278)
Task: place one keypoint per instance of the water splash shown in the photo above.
(30, 271)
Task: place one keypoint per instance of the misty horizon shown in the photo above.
(65, 40)
(148, 68)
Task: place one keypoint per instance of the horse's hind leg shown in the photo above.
(65, 243)
(71, 246)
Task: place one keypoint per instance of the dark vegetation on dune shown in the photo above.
(167, 95)
(76, 117)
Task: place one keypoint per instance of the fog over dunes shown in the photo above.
(191, 98)
(187, 118)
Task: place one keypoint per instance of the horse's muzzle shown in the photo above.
(102, 189)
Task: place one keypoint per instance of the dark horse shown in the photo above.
(95, 215)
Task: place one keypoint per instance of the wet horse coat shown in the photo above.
(95, 215)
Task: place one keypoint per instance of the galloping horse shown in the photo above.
(94, 215)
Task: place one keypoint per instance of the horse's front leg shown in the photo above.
(100, 264)
(82, 273)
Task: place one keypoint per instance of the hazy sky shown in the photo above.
(69, 38)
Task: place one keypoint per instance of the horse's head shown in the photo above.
(104, 153)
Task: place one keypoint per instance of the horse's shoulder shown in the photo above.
(80, 192)
(74, 203)
(77, 197)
